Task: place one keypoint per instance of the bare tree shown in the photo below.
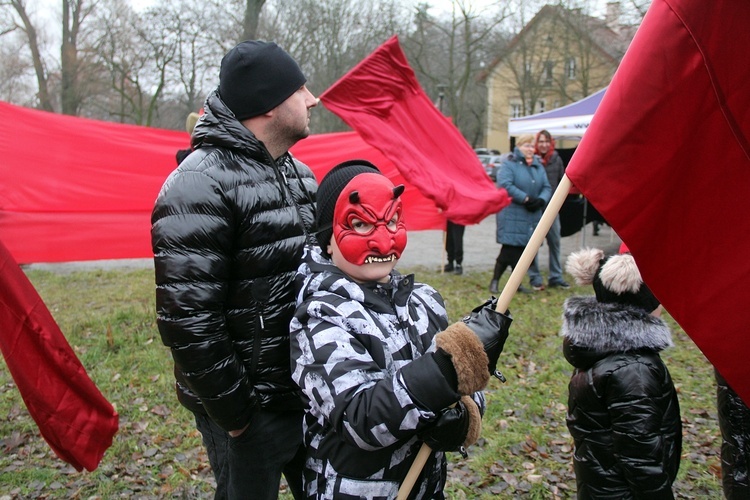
(330, 38)
(250, 22)
(135, 52)
(15, 70)
(72, 90)
(638, 9)
(449, 54)
(25, 24)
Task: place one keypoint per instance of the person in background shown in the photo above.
(623, 412)
(553, 165)
(523, 176)
(228, 232)
(454, 247)
(734, 423)
(373, 352)
(190, 122)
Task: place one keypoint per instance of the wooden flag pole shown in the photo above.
(509, 291)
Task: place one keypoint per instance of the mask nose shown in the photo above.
(381, 240)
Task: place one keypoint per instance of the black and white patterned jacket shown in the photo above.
(349, 344)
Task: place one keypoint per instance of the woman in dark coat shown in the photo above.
(523, 176)
(623, 412)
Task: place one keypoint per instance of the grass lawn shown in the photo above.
(525, 451)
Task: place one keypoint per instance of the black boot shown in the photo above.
(493, 286)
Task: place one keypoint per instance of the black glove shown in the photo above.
(533, 204)
(455, 428)
(492, 329)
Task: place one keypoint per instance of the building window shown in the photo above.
(570, 69)
(515, 110)
(548, 76)
(542, 105)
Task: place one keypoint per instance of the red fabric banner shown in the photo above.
(72, 415)
(382, 100)
(666, 161)
(77, 189)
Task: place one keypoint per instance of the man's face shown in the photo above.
(543, 144)
(292, 117)
(369, 234)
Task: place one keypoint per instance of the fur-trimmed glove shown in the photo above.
(466, 353)
(492, 329)
(456, 428)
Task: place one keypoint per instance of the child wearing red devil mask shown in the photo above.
(380, 369)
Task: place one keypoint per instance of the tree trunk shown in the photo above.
(45, 103)
(69, 58)
(250, 23)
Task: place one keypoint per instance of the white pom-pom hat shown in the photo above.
(615, 279)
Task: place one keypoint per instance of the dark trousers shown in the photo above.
(454, 242)
(509, 256)
(250, 465)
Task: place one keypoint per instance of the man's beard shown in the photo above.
(289, 133)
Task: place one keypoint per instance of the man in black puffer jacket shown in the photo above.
(228, 231)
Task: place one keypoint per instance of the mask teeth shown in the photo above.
(372, 259)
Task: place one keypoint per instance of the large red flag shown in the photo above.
(666, 161)
(72, 415)
(381, 99)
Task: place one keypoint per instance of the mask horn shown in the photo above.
(398, 191)
(354, 197)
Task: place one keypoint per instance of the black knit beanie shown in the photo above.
(257, 76)
(329, 190)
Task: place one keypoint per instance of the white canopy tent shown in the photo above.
(570, 120)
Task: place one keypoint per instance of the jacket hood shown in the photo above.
(317, 274)
(593, 330)
(219, 127)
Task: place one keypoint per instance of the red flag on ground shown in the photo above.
(72, 415)
(666, 161)
(381, 99)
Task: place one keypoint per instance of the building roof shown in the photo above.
(610, 42)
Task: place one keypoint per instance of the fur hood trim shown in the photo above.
(611, 327)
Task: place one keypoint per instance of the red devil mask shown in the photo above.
(367, 221)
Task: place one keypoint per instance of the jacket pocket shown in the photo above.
(348, 488)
